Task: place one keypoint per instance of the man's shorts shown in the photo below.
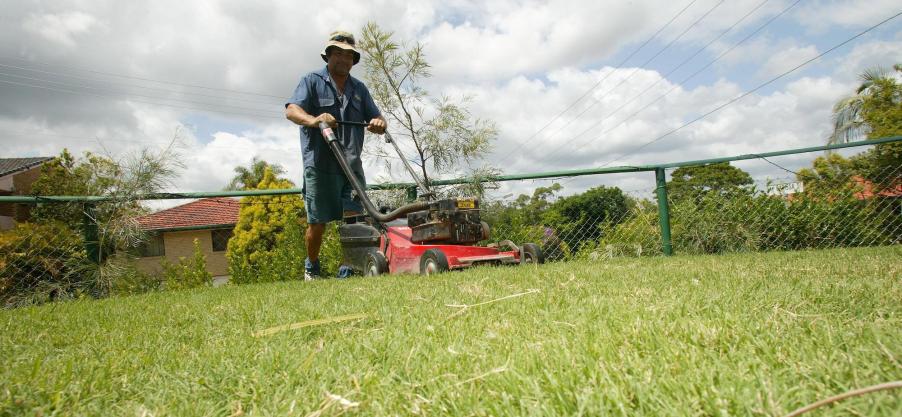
(328, 195)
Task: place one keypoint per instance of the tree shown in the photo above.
(444, 134)
(247, 178)
(123, 181)
(829, 174)
(521, 220)
(67, 175)
(874, 111)
(526, 210)
(576, 219)
(261, 229)
(693, 182)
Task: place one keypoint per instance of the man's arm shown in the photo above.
(297, 115)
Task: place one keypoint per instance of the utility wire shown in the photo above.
(760, 86)
(684, 80)
(138, 101)
(674, 69)
(144, 79)
(772, 80)
(66, 84)
(562, 112)
(636, 70)
(130, 85)
(101, 141)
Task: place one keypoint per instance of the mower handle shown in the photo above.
(332, 140)
(427, 193)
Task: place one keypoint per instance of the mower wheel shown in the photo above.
(432, 262)
(530, 253)
(376, 264)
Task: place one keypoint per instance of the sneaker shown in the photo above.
(311, 270)
(345, 271)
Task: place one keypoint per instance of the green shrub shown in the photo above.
(740, 223)
(284, 261)
(330, 252)
(126, 278)
(188, 273)
(808, 222)
(639, 234)
(575, 218)
(40, 263)
(714, 223)
(258, 251)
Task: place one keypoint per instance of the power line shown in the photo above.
(137, 101)
(681, 82)
(182, 92)
(553, 119)
(144, 79)
(760, 86)
(114, 140)
(772, 80)
(636, 70)
(127, 94)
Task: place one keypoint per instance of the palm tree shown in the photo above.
(848, 121)
(247, 178)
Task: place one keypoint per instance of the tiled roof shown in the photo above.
(867, 189)
(11, 165)
(205, 212)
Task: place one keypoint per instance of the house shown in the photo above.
(866, 189)
(16, 177)
(171, 235)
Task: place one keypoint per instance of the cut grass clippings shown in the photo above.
(308, 323)
(742, 334)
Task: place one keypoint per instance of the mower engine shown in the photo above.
(452, 220)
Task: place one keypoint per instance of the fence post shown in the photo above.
(89, 229)
(663, 211)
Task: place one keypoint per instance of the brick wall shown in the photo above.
(181, 245)
(17, 184)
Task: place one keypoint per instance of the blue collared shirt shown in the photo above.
(317, 94)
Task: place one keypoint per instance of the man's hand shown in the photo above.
(377, 126)
(327, 118)
(297, 115)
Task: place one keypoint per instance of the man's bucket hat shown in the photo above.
(343, 40)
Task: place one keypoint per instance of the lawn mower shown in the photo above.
(425, 237)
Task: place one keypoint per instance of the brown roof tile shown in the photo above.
(12, 165)
(205, 212)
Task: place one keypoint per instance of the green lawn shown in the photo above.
(750, 334)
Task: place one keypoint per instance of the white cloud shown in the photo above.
(820, 16)
(522, 61)
(786, 59)
(878, 52)
(60, 28)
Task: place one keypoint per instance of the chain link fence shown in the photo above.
(779, 214)
(107, 247)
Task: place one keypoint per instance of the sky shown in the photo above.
(570, 84)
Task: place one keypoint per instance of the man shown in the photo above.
(331, 95)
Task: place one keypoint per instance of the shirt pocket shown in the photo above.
(326, 102)
(354, 111)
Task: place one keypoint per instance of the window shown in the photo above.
(220, 238)
(152, 246)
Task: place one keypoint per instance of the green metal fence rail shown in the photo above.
(664, 220)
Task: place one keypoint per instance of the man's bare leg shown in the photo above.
(314, 240)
